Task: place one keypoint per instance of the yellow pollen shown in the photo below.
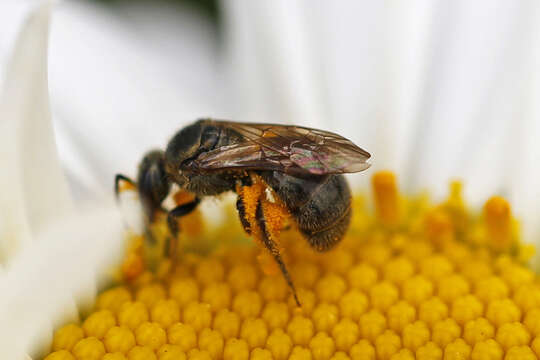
(387, 344)
(151, 294)
(275, 215)
(212, 342)
(322, 346)
(182, 335)
(141, 353)
(399, 315)
(445, 332)
(276, 314)
(236, 349)
(254, 332)
(251, 196)
(99, 323)
(345, 334)
(353, 304)
(184, 291)
(171, 352)
(438, 226)
(429, 351)
(60, 355)
(132, 314)
(457, 350)
(386, 197)
(415, 335)
(89, 348)
(301, 330)
(414, 280)
(133, 266)
(112, 299)
(432, 310)
(67, 336)
(363, 350)
(498, 222)
(119, 339)
(279, 344)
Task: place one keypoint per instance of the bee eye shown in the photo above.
(209, 138)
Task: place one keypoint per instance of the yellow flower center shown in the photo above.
(415, 280)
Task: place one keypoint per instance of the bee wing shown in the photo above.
(290, 149)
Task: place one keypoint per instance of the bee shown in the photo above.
(302, 167)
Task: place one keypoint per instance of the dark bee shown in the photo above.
(302, 166)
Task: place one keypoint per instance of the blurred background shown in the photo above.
(435, 90)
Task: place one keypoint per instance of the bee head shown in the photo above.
(153, 182)
(186, 145)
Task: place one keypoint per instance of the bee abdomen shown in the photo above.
(325, 217)
(326, 238)
(321, 206)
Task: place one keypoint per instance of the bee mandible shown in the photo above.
(300, 166)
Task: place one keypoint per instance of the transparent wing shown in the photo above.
(290, 149)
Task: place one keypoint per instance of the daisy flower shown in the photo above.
(413, 278)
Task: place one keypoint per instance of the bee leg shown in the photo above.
(117, 179)
(172, 221)
(243, 184)
(241, 207)
(274, 250)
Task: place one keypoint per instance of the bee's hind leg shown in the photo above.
(241, 208)
(274, 249)
(172, 222)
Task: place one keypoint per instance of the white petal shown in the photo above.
(433, 89)
(351, 67)
(121, 86)
(65, 262)
(34, 188)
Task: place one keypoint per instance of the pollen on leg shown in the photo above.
(275, 215)
(251, 196)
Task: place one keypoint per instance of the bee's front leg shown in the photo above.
(117, 187)
(174, 227)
